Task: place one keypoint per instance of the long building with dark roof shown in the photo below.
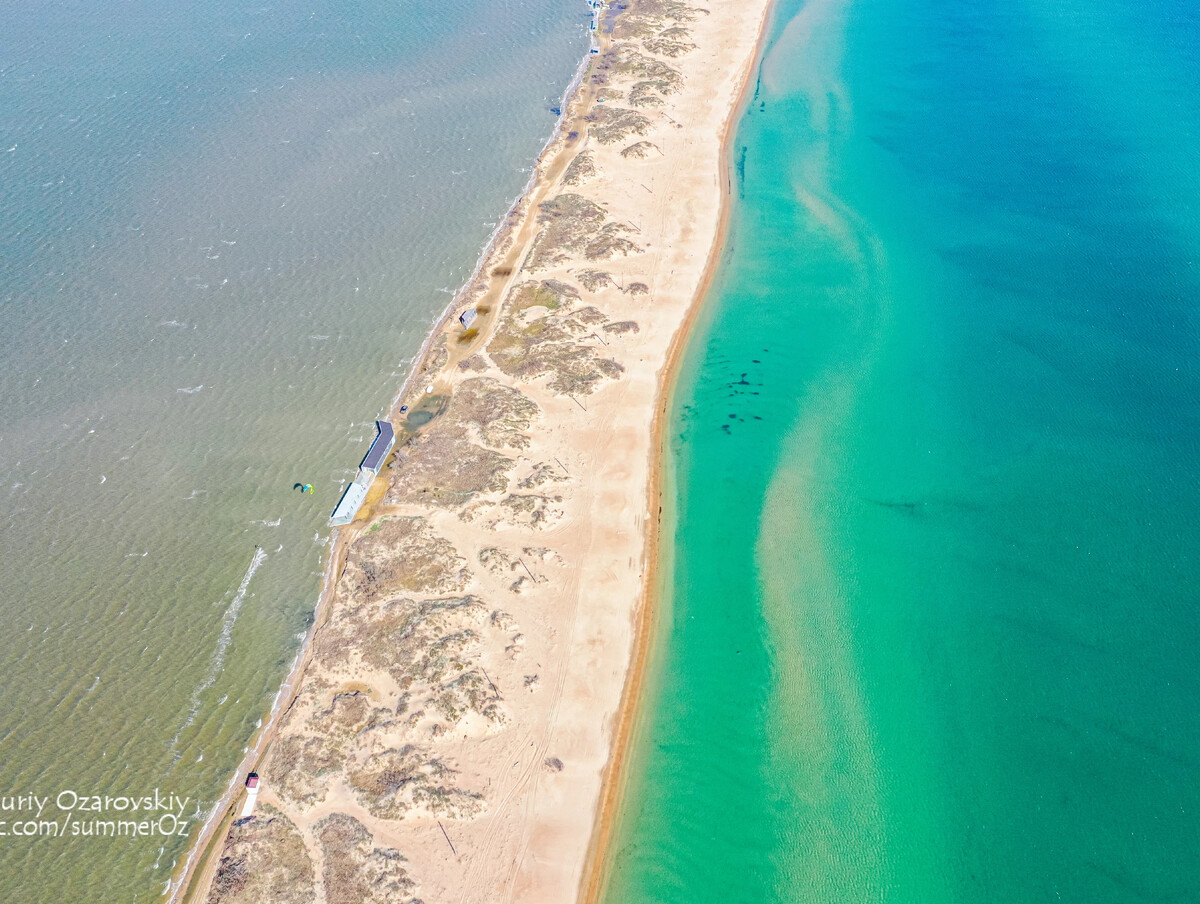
(356, 493)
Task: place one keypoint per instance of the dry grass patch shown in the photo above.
(646, 94)
(355, 870)
(264, 860)
(444, 468)
(640, 150)
(645, 18)
(579, 169)
(670, 42)
(404, 779)
(593, 280)
(498, 413)
(574, 226)
(300, 768)
(497, 561)
(629, 60)
(542, 473)
(403, 555)
(613, 124)
(621, 327)
(517, 510)
(528, 347)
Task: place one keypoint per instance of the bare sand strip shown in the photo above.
(450, 727)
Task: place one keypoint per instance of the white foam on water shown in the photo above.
(223, 640)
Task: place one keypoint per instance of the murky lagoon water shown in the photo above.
(224, 232)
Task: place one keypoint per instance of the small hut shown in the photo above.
(251, 796)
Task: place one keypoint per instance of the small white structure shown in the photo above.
(251, 796)
(467, 317)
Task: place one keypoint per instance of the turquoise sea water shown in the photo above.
(931, 611)
(225, 228)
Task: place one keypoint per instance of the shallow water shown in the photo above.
(931, 621)
(224, 232)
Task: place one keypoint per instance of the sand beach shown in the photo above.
(453, 724)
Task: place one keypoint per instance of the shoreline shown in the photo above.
(504, 260)
(181, 888)
(502, 231)
(614, 783)
(179, 885)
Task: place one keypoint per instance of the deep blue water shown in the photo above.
(931, 613)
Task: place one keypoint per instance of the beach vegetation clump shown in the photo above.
(582, 381)
(541, 474)
(397, 781)
(529, 509)
(550, 294)
(567, 222)
(637, 288)
(403, 555)
(443, 468)
(671, 42)
(443, 655)
(630, 61)
(498, 413)
(396, 638)
(448, 802)
(647, 94)
(264, 860)
(517, 510)
(571, 224)
(357, 871)
(543, 554)
(668, 46)
(591, 316)
(469, 692)
(648, 17)
(621, 327)
(579, 169)
(496, 560)
(547, 345)
(639, 150)
(613, 124)
(381, 784)
(594, 279)
(467, 336)
(347, 714)
(609, 242)
(301, 768)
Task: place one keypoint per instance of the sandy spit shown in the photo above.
(454, 725)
